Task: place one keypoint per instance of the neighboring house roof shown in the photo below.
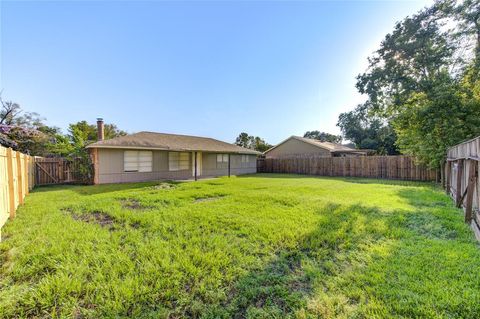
(171, 142)
(332, 147)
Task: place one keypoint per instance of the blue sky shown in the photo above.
(271, 69)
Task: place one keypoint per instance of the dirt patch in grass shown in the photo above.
(164, 186)
(287, 202)
(208, 198)
(96, 217)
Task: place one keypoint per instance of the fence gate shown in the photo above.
(50, 171)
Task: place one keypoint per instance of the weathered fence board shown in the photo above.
(49, 171)
(16, 181)
(461, 178)
(387, 167)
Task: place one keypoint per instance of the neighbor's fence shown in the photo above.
(16, 181)
(50, 171)
(387, 167)
(461, 177)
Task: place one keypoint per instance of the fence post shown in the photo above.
(472, 177)
(25, 169)
(11, 186)
(458, 192)
(19, 178)
(442, 174)
(448, 168)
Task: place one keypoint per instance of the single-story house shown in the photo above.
(147, 156)
(300, 146)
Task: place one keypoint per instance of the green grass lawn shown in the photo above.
(260, 246)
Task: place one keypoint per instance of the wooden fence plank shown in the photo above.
(472, 178)
(11, 184)
(20, 186)
(459, 190)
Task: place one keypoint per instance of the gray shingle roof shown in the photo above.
(171, 142)
(332, 147)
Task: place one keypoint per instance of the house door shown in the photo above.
(199, 163)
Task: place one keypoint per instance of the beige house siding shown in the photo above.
(237, 167)
(110, 167)
(293, 147)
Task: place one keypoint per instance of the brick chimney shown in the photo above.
(100, 129)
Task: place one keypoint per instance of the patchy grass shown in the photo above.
(264, 246)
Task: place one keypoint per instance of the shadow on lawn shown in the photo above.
(296, 276)
(92, 189)
(355, 180)
(108, 188)
(362, 260)
(434, 215)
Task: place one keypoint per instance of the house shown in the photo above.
(147, 156)
(299, 146)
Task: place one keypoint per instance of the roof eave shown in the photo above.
(130, 147)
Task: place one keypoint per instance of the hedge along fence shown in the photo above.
(16, 181)
(461, 179)
(385, 167)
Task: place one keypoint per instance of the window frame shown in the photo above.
(223, 158)
(135, 160)
(181, 164)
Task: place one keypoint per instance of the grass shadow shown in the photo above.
(103, 188)
(285, 286)
(354, 180)
(360, 262)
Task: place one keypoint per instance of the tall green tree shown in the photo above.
(252, 142)
(82, 133)
(422, 79)
(368, 132)
(323, 136)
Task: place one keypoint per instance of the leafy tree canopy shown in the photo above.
(82, 133)
(27, 132)
(368, 132)
(252, 142)
(422, 83)
(323, 136)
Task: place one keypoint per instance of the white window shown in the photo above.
(245, 158)
(137, 161)
(178, 161)
(222, 158)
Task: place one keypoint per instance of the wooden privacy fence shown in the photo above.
(461, 178)
(387, 167)
(16, 181)
(50, 171)
(19, 173)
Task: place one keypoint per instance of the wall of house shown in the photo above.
(296, 147)
(110, 167)
(210, 167)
